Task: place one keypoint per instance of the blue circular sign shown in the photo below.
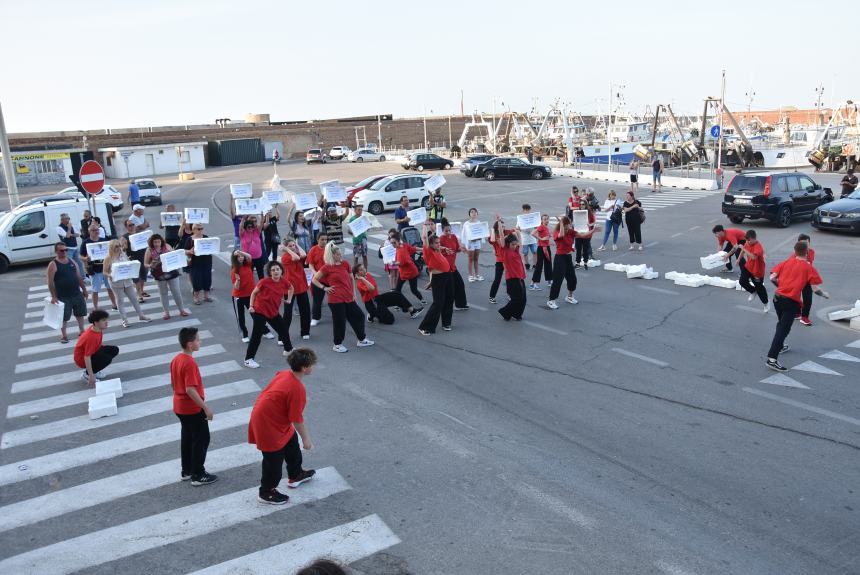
(715, 131)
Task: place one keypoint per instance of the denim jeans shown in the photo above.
(611, 227)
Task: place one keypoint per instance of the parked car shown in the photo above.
(385, 194)
(109, 193)
(842, 214)
(467, 166)
(150, 193)
(363, 185)
(365, 155)
(426, 161)
(775, 196)
(315, 155)
(339, 152)
(406, 159)
(511, 168)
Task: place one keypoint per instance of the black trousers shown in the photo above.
(273, 464)
(240, 304)
(377, 308)
(318, 296)
(543, 263)
(517, 293)
(259, 265)
(459, 290)
(346, 312)
(103, 356)
(413, 287)
(753, 284)
(786, 310)
(583, 249)
(634, 227)
(194, 444)
(497, 279)
(443, 303)
(562, 269)
(304, 303)
(259, 329)
(806, 296)
(726, 247)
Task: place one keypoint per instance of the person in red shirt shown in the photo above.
(189, 405)
(339, 286)
(544, 254)
(790, 276)
(242, 278)
(377, 304)
(582, 242)
(276, 420)
(265, 308)
(293, 260)
(562, 264)
(806, 294)
(753, 268)
(315, 261)
(497, 240)
(90, 354)
(515, 275)
(450, 248)
(440, 283)
(728, 241)
(406, 266)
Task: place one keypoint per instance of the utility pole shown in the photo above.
(426, 147)
(462, 113)
(11, 184)
(720, 139)
(379, 130)
(494, 124)
(609, 127)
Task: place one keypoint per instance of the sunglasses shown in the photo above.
(62, 251)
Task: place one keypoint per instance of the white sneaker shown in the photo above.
(479, 278)
(750, 298)
(269, 335)
(531, 287)
(280, 342)
(614, 247)
(640, 248)
(306, 337)
(631, 247)
(287, 352)
(601, 248)
(315, 322)
(570, 299)
(246, 339)
(339, 348)
(365, 343)
(471, 279)
(767, 307)
(538, 288)
(551, 304)
(251, 363)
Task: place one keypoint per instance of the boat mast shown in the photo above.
(720, 139)
(609, 127)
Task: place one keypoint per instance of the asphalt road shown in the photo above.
(636, 432)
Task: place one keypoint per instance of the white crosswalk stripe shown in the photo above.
(108, 337)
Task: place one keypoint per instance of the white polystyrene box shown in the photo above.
(855, 323)
(102, 406)
(594, 263)
(113, 386)
(844, 314)
(651, 275)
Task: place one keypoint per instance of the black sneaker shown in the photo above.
(305, 475)
(204, 479)
(464, 308)
(273, 497)
(785, 348)
(424, 332)
(416, 312)
(446, 328)
(775, 365)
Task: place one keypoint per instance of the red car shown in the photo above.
(362, 185)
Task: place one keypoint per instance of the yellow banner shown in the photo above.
(39, 156)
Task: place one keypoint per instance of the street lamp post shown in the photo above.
(11, 184)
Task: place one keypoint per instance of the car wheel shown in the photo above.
(381, 158)
(4, 264)
(375, 208)
(537, 175)
(447, 166)
(490, 175)
(783, 218)
(467, 174)
(359, 159)
(425, 203)
(420, 168)
(736, 219)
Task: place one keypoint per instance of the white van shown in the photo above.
(28, 233)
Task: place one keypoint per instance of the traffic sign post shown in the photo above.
(715, 131)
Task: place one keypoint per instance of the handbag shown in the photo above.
(616, 217)
(641, 215)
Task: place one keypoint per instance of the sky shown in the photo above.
(92, 64)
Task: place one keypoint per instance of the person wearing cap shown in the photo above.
(849, 183)
(133, 193)
(333, 224)
(140, 222)
(359, 242)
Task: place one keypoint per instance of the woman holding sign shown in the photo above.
(123, 288)
(440, 283)
(200, 267)
(158, 246)
(473, 248)
(562, 264)
(293, 260)
(515, 276)
(265, 308)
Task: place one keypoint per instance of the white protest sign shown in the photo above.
(53, 317)
(305, 202)
(580, 221)
(434, 183)
(120, 271)
(329, 184)
(98, 251)
(389, 253)
(337, 194)
(417, 216)
(528, 221)
(137, 242)
(241, 191)
(476, 230)
(171, 218)
(248, 207)
(207, 246)
(173, 260)
(265, 206)
(275, 197)
(309, 275)
(196, 215)
(359, 225)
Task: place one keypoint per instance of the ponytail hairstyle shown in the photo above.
(563, 220)
(330, 250)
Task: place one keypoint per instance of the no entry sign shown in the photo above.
(92, 177)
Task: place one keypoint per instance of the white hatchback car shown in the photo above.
(150, 192)
(366, 155)
(385, 194)
(109, 193)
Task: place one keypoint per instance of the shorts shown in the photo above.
(142, 274)
(392, 267)
(74, 304)
(98, 280)
(474, 245)
(634, 178)
(359, 250)
(657, 176)
(529, 248)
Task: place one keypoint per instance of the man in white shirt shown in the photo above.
(140, 223)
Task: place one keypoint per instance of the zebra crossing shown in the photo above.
(58, 467)
(669, 198)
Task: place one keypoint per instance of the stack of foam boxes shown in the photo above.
(103, 403)
(637, 271)
(713, 261)
(698, 280)
(852, 314)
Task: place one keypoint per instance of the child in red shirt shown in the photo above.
(315, 263)
(806, 294)
(242, 279)
(406, 267)
(562, 264)
(515, 275)
(753, 268)
(450, 248)
(293, 260)
(497, 238)
(276, 420)
(544, 254)
(440, 282)
(729, 240)
(189, 405)
(377, 304)
(265, 308)
(89, 353)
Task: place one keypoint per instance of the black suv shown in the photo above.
(467, 166)
(777, 197)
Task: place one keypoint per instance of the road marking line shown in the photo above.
(645, 358)
(840, 355)
(545, 328)
(114, 313)
(784, 381)
(757, 310)
(678, 234)
(40, 304)
(854, 344)
(802, 405)
(110, 336)
(125, 413)
(345, 544)
(94, 452)
(659, 290)
(551, 502)
(693, 228)
(478, 307)
(163, 529)
(815, 368)
(651, 245)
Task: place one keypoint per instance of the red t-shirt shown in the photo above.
(408, 269)
(295, 270)
(542, 232)
(733, 236)
(270, 296)
(514, 268)
(810, 255)
(435, 260)
(340, 278)
(563, 244)
(452, 243)
(88, 343)
(756, 266)
(367, 294)
(277, 408)
(184, 374)
(794, 274)
(315, 257)
(498, 249)
(246, 280)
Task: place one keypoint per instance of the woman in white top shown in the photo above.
(122, 288)
(473, 248)
(609, 206)
(634, 174)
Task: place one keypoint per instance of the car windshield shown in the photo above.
(855, 195)
(313, 151)
(381, 183)
(366, 182)
(746, 184)
(146, 185)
